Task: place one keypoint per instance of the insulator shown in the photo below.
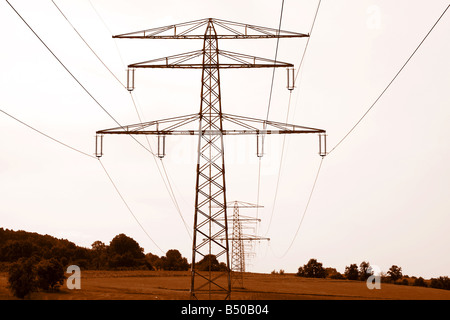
(290, 78)
(260, 145)
(161, 146)
(130, 79)
(98, 145)
(322, 144)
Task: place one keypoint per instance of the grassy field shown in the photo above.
(165, 285)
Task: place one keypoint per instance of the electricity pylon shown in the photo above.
(238, 239)
(210, 124)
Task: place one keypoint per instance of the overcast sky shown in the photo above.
(381, 196)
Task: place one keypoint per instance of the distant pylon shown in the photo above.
(238, 251)
(238, 239)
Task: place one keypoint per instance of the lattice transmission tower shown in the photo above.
(239, 238)
(210, 124)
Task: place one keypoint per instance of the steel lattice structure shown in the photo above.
(210, 124)
(238, 238)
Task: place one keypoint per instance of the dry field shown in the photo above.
(165, 285)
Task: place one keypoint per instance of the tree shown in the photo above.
(13, 250)
(125, 260)
(440, 283)
(174, 261)
(313, 269)
(364, 271)
(50, 274)
(404, 282)
(351, 272)
(98, 246)
(154, 262)
(210, 263)
(22, 277)
(125, 252)
(122, 244)
(419, 282)
(395, 273)
(99, 250)
(446, 282)
(332, 273)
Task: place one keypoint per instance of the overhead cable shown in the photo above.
(389, 84)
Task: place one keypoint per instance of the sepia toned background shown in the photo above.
(381, 196)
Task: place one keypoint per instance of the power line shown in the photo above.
(305, 210)
(97, 104)
(320, 166)
(96, 55)
(92, 50)
(75, 78)
(307, 41)
(268, 108)
(46, 135)
(287, 116)
(167, 184)
(389, 84)
(166, 180)
(303, 56)
(128, 207)
(279, 169)
(88, 155)
(276, 55)
(174, 200)
(106, 26)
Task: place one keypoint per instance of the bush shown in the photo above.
(419, 282)
(22, 277)
(332, 273)
(210, 263)
(125, 260)
(50, 275)
(440, 283)
(337, 276)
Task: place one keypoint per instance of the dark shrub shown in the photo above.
(22, 277)
(50, 274)
(419, 282)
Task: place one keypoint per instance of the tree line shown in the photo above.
(315, 269)
(123, 252)
(38, 262)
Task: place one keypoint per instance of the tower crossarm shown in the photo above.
(224, 29)
(193, 60)
(232, 125)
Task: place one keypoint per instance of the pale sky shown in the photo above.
(382, 195)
